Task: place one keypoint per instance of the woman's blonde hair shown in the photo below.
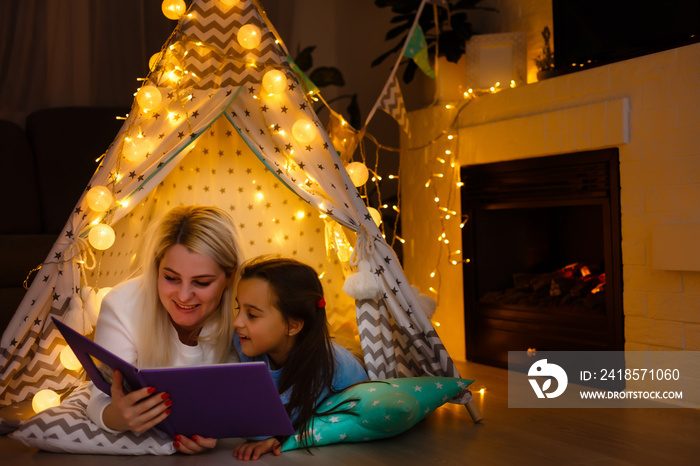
(204, 230)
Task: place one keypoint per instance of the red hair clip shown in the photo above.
(321, 303)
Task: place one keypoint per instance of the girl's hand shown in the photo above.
(253, 450)
(194, 445)
(137, 411)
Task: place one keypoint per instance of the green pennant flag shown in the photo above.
(306, 83)
(417, 48)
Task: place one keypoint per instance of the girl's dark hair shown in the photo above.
(309, 368)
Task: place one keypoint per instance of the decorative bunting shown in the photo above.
(392, 103)
(417, 49)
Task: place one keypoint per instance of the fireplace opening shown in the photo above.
(543, 239)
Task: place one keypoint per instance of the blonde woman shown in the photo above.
(178, 313)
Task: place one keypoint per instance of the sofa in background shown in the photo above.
(46, 167)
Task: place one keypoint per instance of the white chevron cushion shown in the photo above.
(66, 428)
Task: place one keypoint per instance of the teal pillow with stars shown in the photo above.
(378, 409)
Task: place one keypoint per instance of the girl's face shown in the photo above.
(190, 286)
(260, 325)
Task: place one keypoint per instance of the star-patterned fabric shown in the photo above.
(203, 144)
(221, 170)
(377, 409)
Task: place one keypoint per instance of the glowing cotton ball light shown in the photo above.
(99, 198)
(69, 360)
(358, 173)
(148, 98)
(249, 36)
(45, 399)
(376, 216)
(136, 149)
(304, 131)
(101, 236)
(153, 61)
(274, 82)
(173, 9)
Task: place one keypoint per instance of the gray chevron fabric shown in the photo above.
(33, 366)
(214, 58)
(66, 428)
(203, 74)
(392, 103)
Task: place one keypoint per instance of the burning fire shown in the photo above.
(601, 285)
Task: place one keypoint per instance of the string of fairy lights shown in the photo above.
(443, 170)
(443, 177)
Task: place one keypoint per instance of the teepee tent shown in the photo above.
(222, 97)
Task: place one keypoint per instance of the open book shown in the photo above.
(218, 401)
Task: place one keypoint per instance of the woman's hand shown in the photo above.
(193, 445)
(253, 450)
(137, 411)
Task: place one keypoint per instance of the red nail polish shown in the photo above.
(164, 395)
(168, 402)
(151, 390)
(176, 444)
(178, 438)
(194, 437)
(167, 411)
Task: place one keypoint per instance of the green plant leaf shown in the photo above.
(354, 112)
(409, 72)
(326, 76)
(393, 50)
(303, 59)
(396, 31)
(451, 47)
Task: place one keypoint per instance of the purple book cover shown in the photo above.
(218, 401)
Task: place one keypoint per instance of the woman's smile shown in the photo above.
(190, 286)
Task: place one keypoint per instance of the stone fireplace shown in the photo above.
(646, 108)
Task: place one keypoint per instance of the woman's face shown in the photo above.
(190, 286)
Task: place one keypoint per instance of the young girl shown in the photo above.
(282, 320)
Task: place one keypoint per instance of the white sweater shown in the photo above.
(117, 330)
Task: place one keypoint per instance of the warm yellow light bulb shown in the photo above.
(376, 216)
(173, 9)
(249, 36)
(136, 149)
(101, 236)
(358, 173)
(45, 399)
(304, 130)
(229, 3)
(69, 360)
(274, 82)
(148, 98)
(153, 61)
(99, 198)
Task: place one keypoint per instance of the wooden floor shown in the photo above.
(538, 437)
